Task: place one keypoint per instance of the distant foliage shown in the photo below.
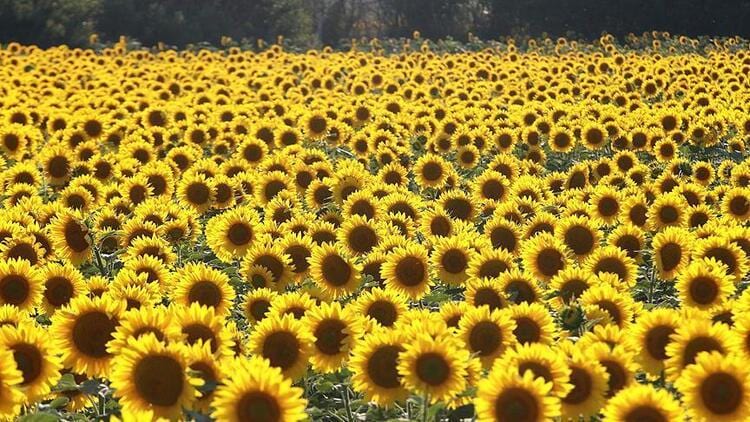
(47, 21)
(312, 23)
(181, 22)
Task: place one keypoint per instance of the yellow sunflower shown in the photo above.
(198, 283)
(374, 365)
(506, 396)
(716, 388)
(334, 271)
(285, 342)
(335, 331)
(256, 390)
(149, 376)
(34, 357)
(643, 403)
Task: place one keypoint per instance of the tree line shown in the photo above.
(310, 23)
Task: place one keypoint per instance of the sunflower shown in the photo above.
(136, 190)
(232, 233)
(359, 235)
(21, 193)
(629, 238)
(62, 282)
(134, 229)
(273, 259)
(406, 271)
(374, 364)
(252, 150)
(195, 191)
(319, 194)
(618, 363)
(694, 337)
(589, 383)
(579, 234)
(703, 173)
(153, 268)
(360, 203)
(322, 231)
(431, 170)
(605, 302)
(257, 303)
(335, 331)
(725, 252)
(149, 376)
(196, 325)
(643, 403)
(540, 222)
(97, 286)
(224, 191)
(506, 396)
(543, 362)
(651, 336)
(151, 246)
(635, 211)
(606, 204)
(136, 323)
(334, 271)
(198, 283)
(490, 263)
(384, 307)
(11, 378)
(57, 164)
(503, 234)
(299, 249)
(671, 251)
(611, 259)
(545, 256)
(285, 342)
(741, 326)
(704, 284)
(32, 350)
(257, 390)
(14, 140)
(667, 210)
(434, 367)
(20, 284)
(296, 303)
(453, 312)
(716, 388)
(569, 284)
(83, 329)
(533, 323)
(70, 238)
(561, 140)
(450, 259)
(486, 333)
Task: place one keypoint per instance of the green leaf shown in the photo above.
(59, 402)
(326, 387)
(67, 383)
(208, 386)
(90, 387)
(40, 417)
(433, 411)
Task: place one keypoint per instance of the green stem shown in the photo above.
(347, 404)
(425, 406)
(103, 404)
(99, 262)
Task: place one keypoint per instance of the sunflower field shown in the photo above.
(546, 230)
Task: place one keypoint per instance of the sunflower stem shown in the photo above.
(99, 262)
(347, 404)
(425, 406)
(103, 404)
